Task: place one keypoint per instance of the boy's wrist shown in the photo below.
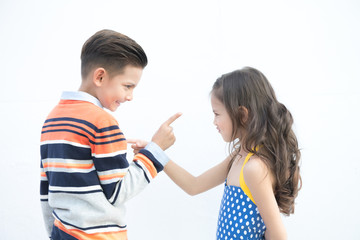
(157, 152)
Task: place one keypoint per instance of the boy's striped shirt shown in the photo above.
(85, 176)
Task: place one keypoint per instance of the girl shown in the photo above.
(261, 173)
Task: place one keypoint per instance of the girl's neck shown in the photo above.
(243, 151)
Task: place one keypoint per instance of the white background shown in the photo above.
(309, 50)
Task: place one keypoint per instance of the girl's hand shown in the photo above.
(137, 144)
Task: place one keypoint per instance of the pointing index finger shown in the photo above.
(172, 119)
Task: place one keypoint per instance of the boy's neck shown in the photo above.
(84, 87)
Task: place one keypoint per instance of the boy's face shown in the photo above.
(119, 88)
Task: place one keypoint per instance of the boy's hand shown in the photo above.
(137, 144)
(164, 137)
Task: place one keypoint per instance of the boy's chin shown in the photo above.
(112, 109)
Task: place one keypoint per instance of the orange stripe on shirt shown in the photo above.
(84, 129)
(84, 140)
(64, 130)
(111, 176)
(94, 115)
(50, 125)
(148, 164)
(84, 110)
(67, 165)
(118, 235)
(71, 137)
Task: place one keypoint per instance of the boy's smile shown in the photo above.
(111, 92)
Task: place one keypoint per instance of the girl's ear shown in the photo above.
(244, 114)
(98, 76)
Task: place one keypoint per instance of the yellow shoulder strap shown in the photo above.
(242, 181)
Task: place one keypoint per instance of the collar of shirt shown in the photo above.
(81, 96)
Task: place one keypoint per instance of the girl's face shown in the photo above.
(222, 120)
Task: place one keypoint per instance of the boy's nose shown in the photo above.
(129, 97)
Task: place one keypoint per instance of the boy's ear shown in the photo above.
(244, 114)
(98, 76)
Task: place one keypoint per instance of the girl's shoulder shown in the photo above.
(256, 171)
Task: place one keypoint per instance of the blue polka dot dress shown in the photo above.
(239, 217)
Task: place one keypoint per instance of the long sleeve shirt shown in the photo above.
(85, 176)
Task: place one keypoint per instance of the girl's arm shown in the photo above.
(187, 182)
(195, 185)
(259, 181)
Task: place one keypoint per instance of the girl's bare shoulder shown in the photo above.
(256, 170)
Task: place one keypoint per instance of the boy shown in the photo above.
(85, 177)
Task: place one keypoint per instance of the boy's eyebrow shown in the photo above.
(131, 84)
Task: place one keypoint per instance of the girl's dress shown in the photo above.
(239, 217)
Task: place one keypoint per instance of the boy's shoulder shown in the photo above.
(84, 111)
(97, 116)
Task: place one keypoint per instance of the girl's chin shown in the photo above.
(227, 140)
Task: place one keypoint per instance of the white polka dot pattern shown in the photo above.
(239, 217)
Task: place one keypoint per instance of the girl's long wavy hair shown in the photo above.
(269, 125)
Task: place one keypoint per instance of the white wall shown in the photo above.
(309, 50)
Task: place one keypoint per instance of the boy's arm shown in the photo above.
(149, 161)
(144, 168)
(46, 209)
(126, 180)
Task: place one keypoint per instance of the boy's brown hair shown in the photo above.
(112, 51)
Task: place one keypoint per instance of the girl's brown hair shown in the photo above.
(269, 125)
